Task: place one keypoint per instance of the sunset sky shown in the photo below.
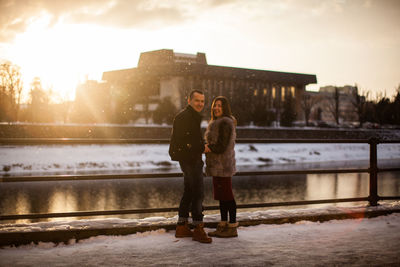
(341, 41)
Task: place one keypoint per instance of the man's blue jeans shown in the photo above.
(193, 194)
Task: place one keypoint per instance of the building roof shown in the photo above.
(164, 63)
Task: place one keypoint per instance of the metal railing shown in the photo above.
(373, 171)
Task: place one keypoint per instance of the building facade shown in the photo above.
(164, 74)
(332, 101)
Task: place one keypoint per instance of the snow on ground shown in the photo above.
(353, 242)
(135, 157)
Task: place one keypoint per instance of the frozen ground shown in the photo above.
(352, 242)
(131, 157)
(357, 242)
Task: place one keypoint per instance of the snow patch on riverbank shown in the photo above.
(135, 157)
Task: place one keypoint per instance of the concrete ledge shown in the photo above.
(16, 238)
(320, 217)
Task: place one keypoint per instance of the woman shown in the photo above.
(221, 164)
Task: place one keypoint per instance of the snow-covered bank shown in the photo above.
(356, 242)
(248, 216)
(88, 158)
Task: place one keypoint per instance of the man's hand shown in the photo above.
(207, 149)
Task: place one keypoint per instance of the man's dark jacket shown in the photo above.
(187, 142)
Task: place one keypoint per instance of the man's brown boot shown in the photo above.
(183, 230)
(220, 227)
(200, 235)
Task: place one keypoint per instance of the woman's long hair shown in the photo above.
(226, 108)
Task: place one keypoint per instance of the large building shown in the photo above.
(165, 74)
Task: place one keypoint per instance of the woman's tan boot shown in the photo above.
(220, 227)
(229, 231)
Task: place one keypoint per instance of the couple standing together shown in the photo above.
(187, 146)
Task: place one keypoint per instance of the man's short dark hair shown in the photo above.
(195, 91)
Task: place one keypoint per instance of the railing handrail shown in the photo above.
(86, 177)
(44, 141)
(157, 210)
(373, 170)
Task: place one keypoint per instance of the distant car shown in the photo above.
(347, 126)
(299, 124)
(371, 125)
(324, 124)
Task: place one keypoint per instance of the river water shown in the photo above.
(70, 196)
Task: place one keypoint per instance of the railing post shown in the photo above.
(373, 172)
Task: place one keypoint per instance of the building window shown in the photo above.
(283, 93)
(293, 91)
(265, 91)
(273, 92)
(255, 92)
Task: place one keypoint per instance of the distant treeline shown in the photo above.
(40, 109)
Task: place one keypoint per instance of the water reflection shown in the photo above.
(390, 186)
(69, 196)
(274, 188)
(330, 186)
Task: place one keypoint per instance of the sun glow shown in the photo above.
(64, 55)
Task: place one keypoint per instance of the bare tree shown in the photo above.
(39, 103)
(307, 103)
(359, 102)
(333, 105)
(165, 111)
(289, 113)
(11, 91)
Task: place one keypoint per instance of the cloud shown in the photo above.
(16, 15)
(127, 14)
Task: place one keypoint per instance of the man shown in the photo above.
(187, 146)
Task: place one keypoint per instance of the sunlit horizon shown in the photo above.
(341, 42)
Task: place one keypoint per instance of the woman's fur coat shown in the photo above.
(224, 164)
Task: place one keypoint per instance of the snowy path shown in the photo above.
(357, 242)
